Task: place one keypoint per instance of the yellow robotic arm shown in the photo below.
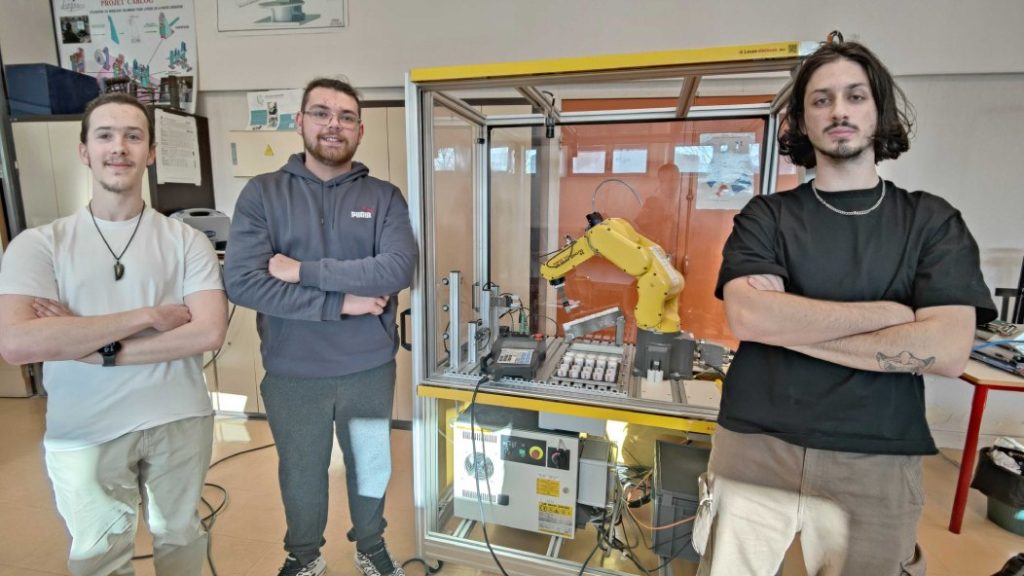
(658, 282)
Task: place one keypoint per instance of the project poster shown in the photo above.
(274, 110)
(131, 46)
(728, 182)
(293, 15)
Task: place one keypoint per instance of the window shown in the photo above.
(530, 161)
(501, 159)
(444, 161)
(589, 160)
(694, 159)
(629, 160)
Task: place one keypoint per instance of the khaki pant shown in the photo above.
(855, 514)
(99, 489)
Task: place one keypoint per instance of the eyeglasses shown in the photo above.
(322, 117)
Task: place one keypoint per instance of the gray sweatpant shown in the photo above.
(304, 413)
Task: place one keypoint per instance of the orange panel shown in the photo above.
(663, 208)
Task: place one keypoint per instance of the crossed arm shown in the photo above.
(39, 330)
(260, 277)
(879, 336)
(286, 269)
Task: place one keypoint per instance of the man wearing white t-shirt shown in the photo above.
(119, 302)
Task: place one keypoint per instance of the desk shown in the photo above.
(983, 378)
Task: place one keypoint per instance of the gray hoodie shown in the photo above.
(352, 235)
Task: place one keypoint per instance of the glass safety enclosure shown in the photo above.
(571, 216)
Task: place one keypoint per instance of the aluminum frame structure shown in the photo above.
(442, 87)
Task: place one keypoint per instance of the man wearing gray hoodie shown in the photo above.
(320, 249)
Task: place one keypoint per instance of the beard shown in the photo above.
(844, 150)
(329, 156)
(114, 184)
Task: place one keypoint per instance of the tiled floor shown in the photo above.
(247, 536)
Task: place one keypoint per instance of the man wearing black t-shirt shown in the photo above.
(843, 292)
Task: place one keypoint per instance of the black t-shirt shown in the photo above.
(913, 249)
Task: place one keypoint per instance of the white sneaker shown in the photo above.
(368, 568)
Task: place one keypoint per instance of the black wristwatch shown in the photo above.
(109, 353)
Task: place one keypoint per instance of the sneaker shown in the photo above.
(375, 564)
(1013, 567)
(292, 567)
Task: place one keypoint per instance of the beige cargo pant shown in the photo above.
(855, 514)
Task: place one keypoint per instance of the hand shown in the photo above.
(767, 282)
(284, 268)
(169, 316)
(46, 308)
(354, 305)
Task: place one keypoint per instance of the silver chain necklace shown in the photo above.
(848, 212)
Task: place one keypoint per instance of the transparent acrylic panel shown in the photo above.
(518, 221)
(453, 209)
(696, 175)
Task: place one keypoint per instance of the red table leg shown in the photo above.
(970, 455)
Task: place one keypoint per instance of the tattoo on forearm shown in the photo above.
(904, 362)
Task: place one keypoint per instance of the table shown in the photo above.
(983, 378)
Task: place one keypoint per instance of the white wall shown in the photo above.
(26, 32)
(385, 38)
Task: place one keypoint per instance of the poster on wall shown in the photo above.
(291, 15)
(274, 110)
(177, 149)
(727, 183)
(143, 47)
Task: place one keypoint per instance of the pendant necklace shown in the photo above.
(118, 267)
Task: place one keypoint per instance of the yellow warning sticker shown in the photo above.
(557, 509)
(269, 151)
(548, 487)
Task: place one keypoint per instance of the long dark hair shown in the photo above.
(895, 115)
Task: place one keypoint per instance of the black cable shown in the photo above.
(593, 197)
(429, 569)
(538, 315)
(552, 254)
(236, 454)
(669, 559)
(208, 520)
(597, 545)
(476, 474)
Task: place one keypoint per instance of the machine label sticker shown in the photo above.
(555, 519)
(548, 487)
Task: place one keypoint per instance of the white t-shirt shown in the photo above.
(67, 261)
